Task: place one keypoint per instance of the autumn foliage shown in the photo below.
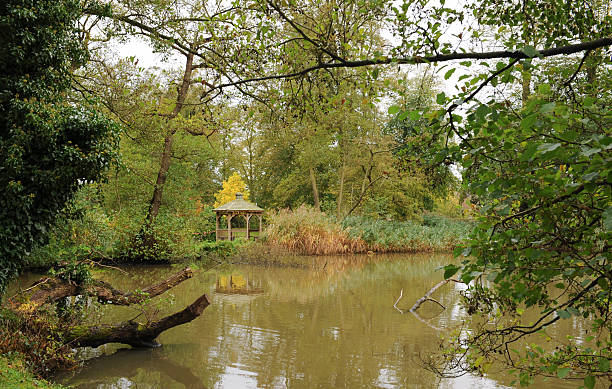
(234, 184)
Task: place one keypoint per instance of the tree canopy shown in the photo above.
(527, 125)
(48, 147)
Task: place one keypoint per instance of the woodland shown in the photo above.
(361, 126)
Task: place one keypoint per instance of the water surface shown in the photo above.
(329, 325)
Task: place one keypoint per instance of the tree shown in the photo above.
(209, 38)
(48, 148)
(234, 184)
(541, 168)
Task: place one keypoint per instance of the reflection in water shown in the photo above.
(331, 325)
(237, 284)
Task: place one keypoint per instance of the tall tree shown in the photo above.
(48, 147)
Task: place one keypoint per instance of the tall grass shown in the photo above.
(308, 231)
(433, 233)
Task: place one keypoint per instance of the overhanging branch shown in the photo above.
(516, 54)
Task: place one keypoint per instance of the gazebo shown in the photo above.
(238, 207)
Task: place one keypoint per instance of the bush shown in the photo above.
(219, 249)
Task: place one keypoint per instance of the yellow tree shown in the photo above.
(234, 184)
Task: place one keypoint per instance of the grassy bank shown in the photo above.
(14, 374)
(310, 232)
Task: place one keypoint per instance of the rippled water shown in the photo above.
(330, 325)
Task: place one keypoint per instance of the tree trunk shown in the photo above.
(315, 191)
(133, 333)
(158, 190)
(49, 290)
(341, 189)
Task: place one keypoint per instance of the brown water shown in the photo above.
(331, 325)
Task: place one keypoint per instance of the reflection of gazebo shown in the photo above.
(235, 208)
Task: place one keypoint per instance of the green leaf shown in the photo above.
(547, 147)
(607, 218)
(449, 73)
(393, 109)
(441, 98)
(415, 115)
(563, 372)
(528, 122)
(530, 51)
(450, 270)
(529, 152)
(549, 107)
(590, 176)
(457, 251)
(544, 89)
(589, 382)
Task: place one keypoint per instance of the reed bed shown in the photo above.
(311, 232)
(308, 231)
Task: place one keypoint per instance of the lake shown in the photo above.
(329, 324)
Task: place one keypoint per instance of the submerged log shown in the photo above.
(49, 290)
(133, 333)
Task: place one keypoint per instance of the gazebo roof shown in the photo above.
(239, 204)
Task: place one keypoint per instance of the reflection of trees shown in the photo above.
(331, 325)
(151, 366)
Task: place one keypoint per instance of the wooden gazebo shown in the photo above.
(238, 207)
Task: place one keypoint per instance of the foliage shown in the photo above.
(47, 147)
(434, 233)
(220, 249)
(234, 184)
(36, 340)
(15, 375)
(414, 140)
(549, 212)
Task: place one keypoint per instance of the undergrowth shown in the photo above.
(308, 231)
(14, 374)
(36, 339)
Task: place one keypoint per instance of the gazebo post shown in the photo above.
(260, 222)
(217, 226)
(229, 226)
(248, 219)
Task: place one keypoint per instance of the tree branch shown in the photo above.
(516, 54)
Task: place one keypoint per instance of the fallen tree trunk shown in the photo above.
(133, 333)
(49, 290)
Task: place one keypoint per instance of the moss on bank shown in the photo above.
(14, 374)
